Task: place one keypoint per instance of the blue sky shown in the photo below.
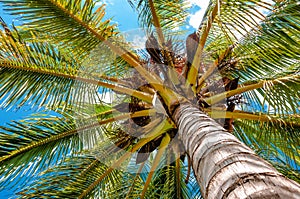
(123, 13)
(11, 114)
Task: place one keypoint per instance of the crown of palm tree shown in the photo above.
(241, 67)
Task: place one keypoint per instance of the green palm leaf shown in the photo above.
(79, 27)
(171, 14)
(273, 137)
(43, 141)
(35, 73)
(48, 76)
(71, 177)
(255, 58)
(68, 181)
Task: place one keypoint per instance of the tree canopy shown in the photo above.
(241, 67)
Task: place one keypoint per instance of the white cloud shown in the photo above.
(107, 97)
(106, 2)
(139, 41)
(197, 2)
(195, 19)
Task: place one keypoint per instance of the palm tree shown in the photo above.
(237, 85)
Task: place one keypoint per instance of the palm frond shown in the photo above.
(105, 174)
(71, 177)
(274, 137)
(223, 21)
(283, 162)
(77, 25)
(171, 14)
(234, 18)
(44, 141)
(276, 150)
(281, 98)
(35, 73)
(67, 180)
(279, 94)
(253, 56)
(37, 142)
(80, 24)
(291, 170)
(49, 76)
(81, 33)
(164, 183)
(260, 58)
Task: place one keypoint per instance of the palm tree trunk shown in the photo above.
(224, 166)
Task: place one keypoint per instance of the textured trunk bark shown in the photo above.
(224, 166)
